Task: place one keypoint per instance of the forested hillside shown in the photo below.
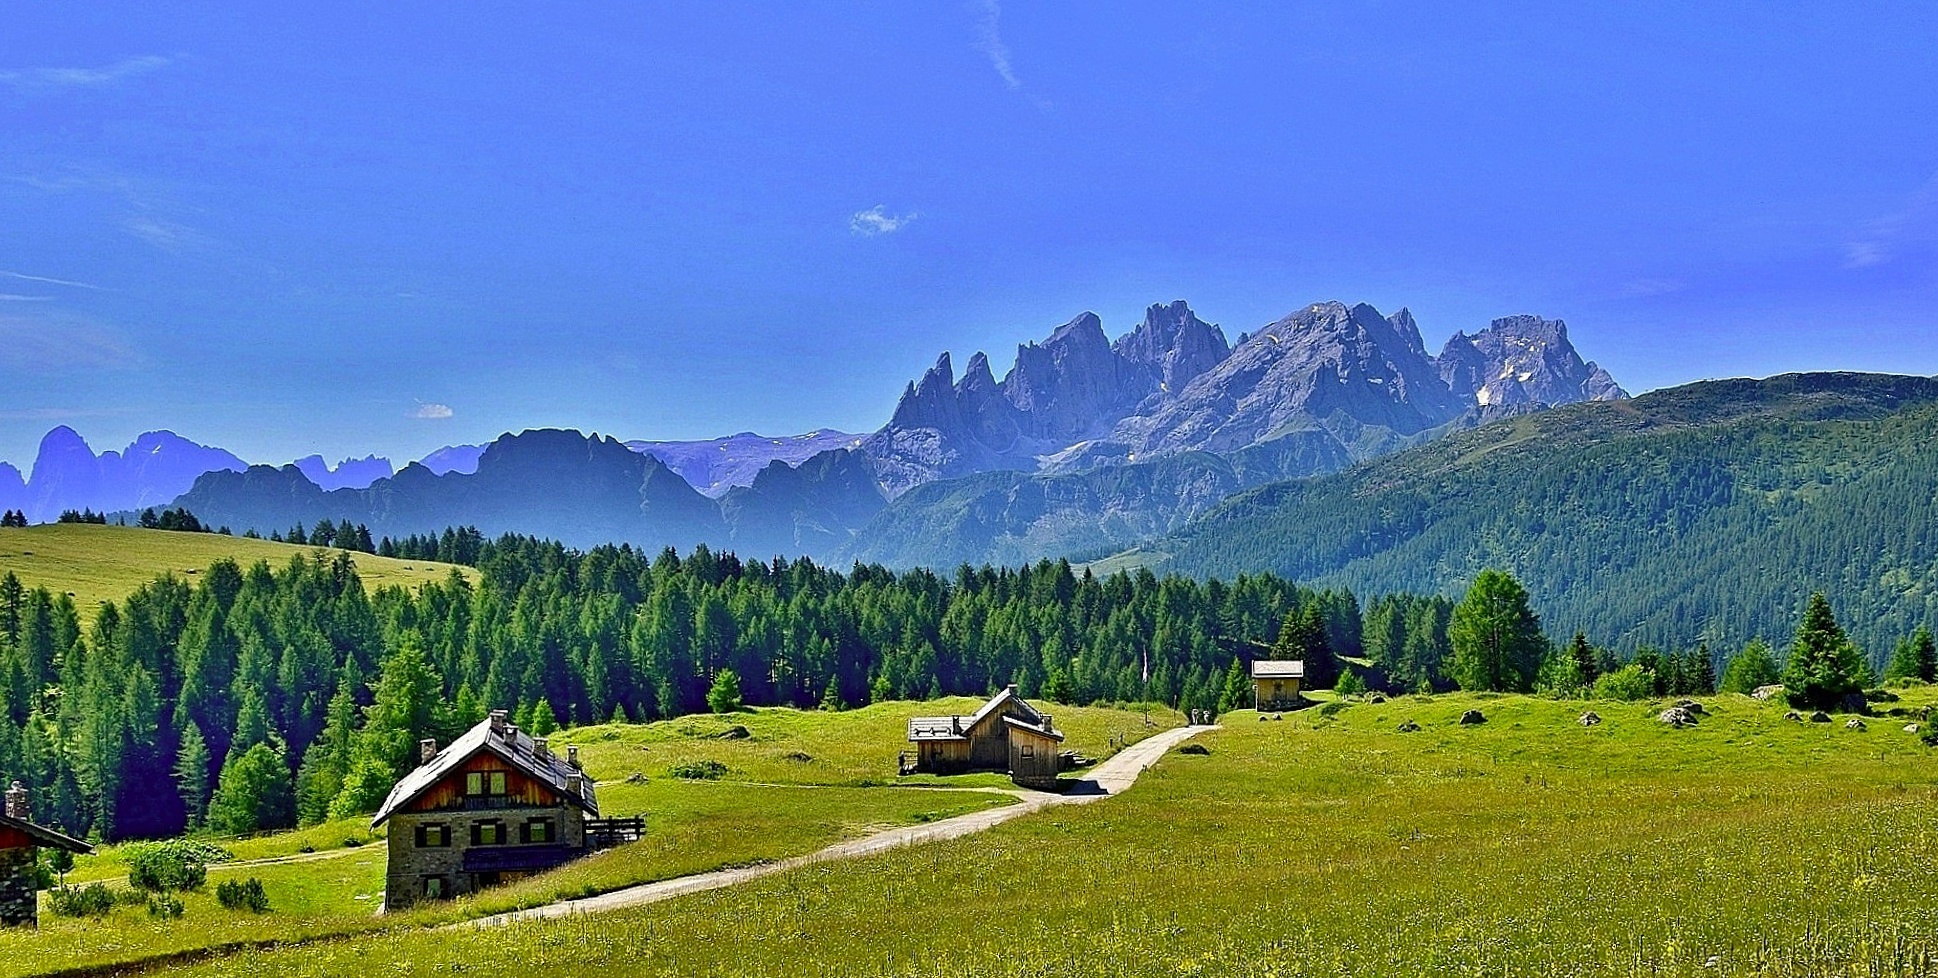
(259, 696)
(1709, 511)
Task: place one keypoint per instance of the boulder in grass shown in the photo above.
(1472, 718)
(1196, 750)
(1854, 724)
(1409, 727)
(1854, 703)
(1590, 719)
(1691, 707)
(1911, 728)
(1766, 692)
(735, 732)
(1376, 698)
(1793, 715)
(1820, 717)
(1677, 717)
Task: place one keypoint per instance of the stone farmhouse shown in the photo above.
(494, 806)
(1006, 735)
(20, 844)
(1275, 684)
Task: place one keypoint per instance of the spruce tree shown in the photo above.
(192, 775)
(1824, 666)
(253, 794)
(1587, 663)
(1751, 669)
(1914, 658)
(724, 695)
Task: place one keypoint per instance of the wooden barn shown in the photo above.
(494, 806)
(20, 844)
(1006, 735)
(1275, 684)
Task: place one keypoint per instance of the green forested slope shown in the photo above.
(1709, 511)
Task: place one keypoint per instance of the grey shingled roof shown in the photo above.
(1278, 669)
(945, 728)
(518, 750)
(1036, 728)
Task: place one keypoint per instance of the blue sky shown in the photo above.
(389, 230)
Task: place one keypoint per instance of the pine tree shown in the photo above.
(1497, 642)
(1587, 663)
(1914, 658)
(1824, 666)
(724, 695)
(192, 775)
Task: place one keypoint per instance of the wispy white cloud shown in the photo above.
(56, 341)
(877, 220)
(1884, 239)
(989, 40)
(166, 235)
(68, 78)
(50, 280)
(432, 411)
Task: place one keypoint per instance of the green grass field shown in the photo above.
(1330, 843)
(327, 881)
(106, 563)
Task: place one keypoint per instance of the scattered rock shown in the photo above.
(799, 756)
(1910, 728)
(1262, 718)
(1793, 715)
(1276, 717)
(1691, 707)
(1409, 727)
(1590, 719)
(636, 778)
(1376, 698)
(1853, 703)
(1766, 692)
(1472, 717)
(1198, 750)
(735, 732)
(1820, 717)
(1881, 695)
(1854, 724)
(1677, 717)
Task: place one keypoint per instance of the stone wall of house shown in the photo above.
(18, 874)
(409, 864)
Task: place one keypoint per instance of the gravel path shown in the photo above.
(1108, 778)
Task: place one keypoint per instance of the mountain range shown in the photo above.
(1085, 444)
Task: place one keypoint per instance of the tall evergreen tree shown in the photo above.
(192, 775)
(254, 793)
(1914, 658)
(1751, 669)
(1824, 666)
(1497, 642)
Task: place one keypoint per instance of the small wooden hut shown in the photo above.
(1007, 735)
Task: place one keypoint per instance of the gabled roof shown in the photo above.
(44, 836)
(514, 748)
(1278, 669)
(931, 729)
(1040, 729)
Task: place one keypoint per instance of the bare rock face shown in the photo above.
(1677, 717)
(1173, 345)
(1523, 360)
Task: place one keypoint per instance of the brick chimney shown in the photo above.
(572, 755)
(498, 718)
(17, 803)
(1011, 688)
(575, 783)
(511, 735)
(542, 747)
(1047, 725)
(426, 750)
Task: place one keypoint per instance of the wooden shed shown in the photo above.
(1275, 684)
(1007, 735)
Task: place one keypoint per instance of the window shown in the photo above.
(484, 783)
(1029, 750)
(433, 887)
(490, 833)
(540, 830)
(433, 836)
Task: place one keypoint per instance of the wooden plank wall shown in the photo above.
(520, 790)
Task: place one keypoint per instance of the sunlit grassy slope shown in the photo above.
(1331, 843)
(796, 782)
(105, 563)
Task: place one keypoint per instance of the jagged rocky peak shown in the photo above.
(931, 401)
(1072, 386)
(1523, 360)
(1174, 344)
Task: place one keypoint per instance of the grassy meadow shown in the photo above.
(1331, 843)
(105, 563)
(327, 880)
